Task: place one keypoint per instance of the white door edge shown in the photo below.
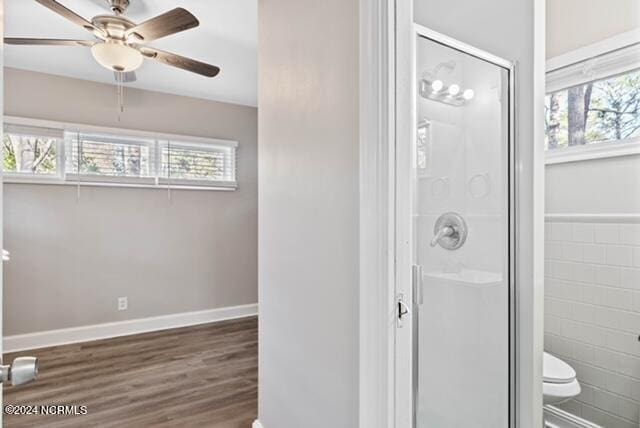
(376, 399)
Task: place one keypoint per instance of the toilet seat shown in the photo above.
(554, 370)
(559, 380)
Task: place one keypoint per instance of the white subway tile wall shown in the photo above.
(592, 316)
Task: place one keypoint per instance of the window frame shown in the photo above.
(73, 175)
(25, 177)
(171, 181)
(67, 177)
(614, 56)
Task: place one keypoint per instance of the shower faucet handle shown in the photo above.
(450, 231)
(446, 231)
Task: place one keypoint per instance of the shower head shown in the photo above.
(446, 67)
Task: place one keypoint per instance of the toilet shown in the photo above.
(559, 380)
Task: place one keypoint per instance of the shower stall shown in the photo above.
(455, 237)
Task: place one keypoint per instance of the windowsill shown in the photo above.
(593, 151)
(56, 181)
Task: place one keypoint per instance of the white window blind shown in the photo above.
(99, 157)
(197, 164)
(600, 67)
(64, 153)
(34, 130)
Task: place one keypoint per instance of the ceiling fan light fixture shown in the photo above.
(117, 57)
(121, 45)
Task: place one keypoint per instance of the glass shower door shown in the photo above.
(462, 240)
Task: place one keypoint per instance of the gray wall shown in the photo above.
(514, 30)
(308, 245)
(597, 186)
(72, 259)
(572, 24)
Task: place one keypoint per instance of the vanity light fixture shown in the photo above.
(468, 94)
(453, 94)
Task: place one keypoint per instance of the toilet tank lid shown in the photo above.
(554, 370)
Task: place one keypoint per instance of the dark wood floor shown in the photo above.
(202, 376)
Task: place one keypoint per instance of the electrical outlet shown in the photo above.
(123, 304)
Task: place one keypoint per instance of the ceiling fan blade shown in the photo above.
(47, 42)
(71, 16)
(168, 23)
(125, 77)
(178, 61)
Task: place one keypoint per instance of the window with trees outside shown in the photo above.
(593, 106)
(57, 156)
(99, 156)
(189, 162)
(594, 112)
(31, 151)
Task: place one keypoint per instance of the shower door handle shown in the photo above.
(418, 287)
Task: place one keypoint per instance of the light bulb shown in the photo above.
(454, 90)
(116, 56)
(437, 85)
(468, 94)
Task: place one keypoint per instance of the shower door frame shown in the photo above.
(406, 340)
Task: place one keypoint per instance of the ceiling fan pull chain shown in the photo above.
(121, 96)
(78, 168)
(120, 92)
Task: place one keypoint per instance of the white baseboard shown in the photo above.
(21, 342)
(256, 424)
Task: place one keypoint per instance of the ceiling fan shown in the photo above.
(120, 44)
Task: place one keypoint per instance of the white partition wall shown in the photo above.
(308, 220)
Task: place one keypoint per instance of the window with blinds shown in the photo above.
(197, 164)
(99, 157)
(68, 156)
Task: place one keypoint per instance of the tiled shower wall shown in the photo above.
(592, 314)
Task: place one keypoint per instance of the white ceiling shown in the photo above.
(226, 37)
